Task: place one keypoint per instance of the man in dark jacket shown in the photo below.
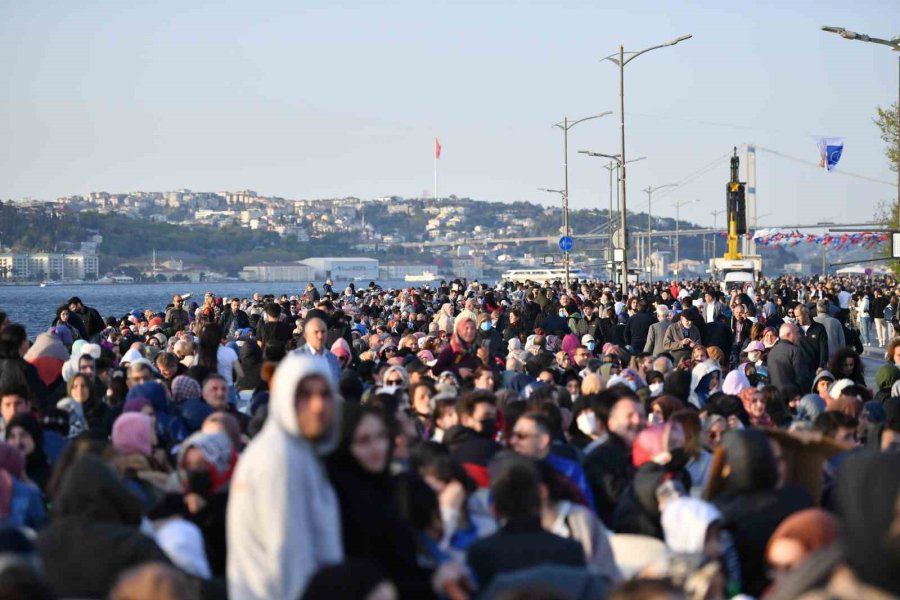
(273, 329)
(786, 363)
(608, 467)
(638, 327)
(234, 319)
(471, 443)
(521, 542)
(93, 322)
(717, 333)
(813, 339)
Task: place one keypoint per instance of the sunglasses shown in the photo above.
(393, 382)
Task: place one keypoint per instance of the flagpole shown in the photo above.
(435, 176)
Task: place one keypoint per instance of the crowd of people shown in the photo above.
(515, 441)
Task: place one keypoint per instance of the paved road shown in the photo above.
(872, 359)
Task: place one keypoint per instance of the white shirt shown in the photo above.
(225, 359)
(844, 298)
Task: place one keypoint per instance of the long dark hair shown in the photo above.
(208, 348)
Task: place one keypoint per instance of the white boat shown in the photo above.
(49, 283)
(423, 277)
(539, 275)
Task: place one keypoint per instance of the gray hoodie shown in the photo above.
(283, 521)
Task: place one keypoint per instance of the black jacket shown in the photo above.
(520, 544)
(609, 470)
(468, 446)
(95, 532)
(93, 322)
(638, 509)
(239, 319)
(717, 334)
(637, 329)
(787, 365)
(814, 345)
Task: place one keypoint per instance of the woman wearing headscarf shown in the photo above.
(25, 433)
(86, 411)
(48, 354)
(444, 318)
(251, 359)
(755, 405)
(662, 408)
(371, 525)
(94, 533)
(20, 502)
(742, 485)
(798, 536)
(706, 380)
(206, 463)
(459, 357)
(170, 428)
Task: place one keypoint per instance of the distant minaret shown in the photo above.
(154, 262)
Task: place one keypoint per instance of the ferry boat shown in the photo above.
(50, 283)
(539, 275)
(423, 277)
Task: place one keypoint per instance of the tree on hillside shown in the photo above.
(888, 212)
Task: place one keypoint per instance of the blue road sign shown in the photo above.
(565, 243)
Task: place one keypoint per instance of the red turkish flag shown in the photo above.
(437, 149)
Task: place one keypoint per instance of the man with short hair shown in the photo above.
(176, 316)
(314, 334)
(813, 339)
(471, 442)
(608, 467)
(13, 400)
(532, 437)
(638, 327)
(657, 332)
(93, 322)
(169, 368)
(521, 542)
(273, 329)
(834, 331)
(215, 394)
(786, 363)
(233, 319)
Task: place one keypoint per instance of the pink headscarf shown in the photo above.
(569, 344)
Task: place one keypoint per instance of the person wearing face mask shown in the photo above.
(471, 442)
(655, 383)
(489, 334)
(205, 462)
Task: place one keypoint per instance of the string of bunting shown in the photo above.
(775, 238)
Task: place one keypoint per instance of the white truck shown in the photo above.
(736, 273)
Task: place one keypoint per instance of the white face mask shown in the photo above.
(656, 389)
(587, 423)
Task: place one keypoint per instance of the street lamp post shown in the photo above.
(650, 189)
(616, 163)
(678, 206)
(619, 60)
(894, 44)
(566, 125)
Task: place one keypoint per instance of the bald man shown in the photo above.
(786, 362)
(314, 334)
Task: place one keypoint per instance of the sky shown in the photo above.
(322, 99)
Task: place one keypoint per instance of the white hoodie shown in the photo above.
(283, 521)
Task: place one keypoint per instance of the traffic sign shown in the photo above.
(566, 243)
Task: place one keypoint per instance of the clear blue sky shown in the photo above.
(328, 99)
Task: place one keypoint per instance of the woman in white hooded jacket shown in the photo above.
(283, 520)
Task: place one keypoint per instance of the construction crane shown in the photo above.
(734, 268)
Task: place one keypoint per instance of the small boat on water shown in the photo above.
(423, 277)
(50, 283)
(539, 275)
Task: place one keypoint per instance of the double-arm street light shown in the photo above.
(620, 61)
(893, 44)
(678, 206)
(565, 125)
(650, 189)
